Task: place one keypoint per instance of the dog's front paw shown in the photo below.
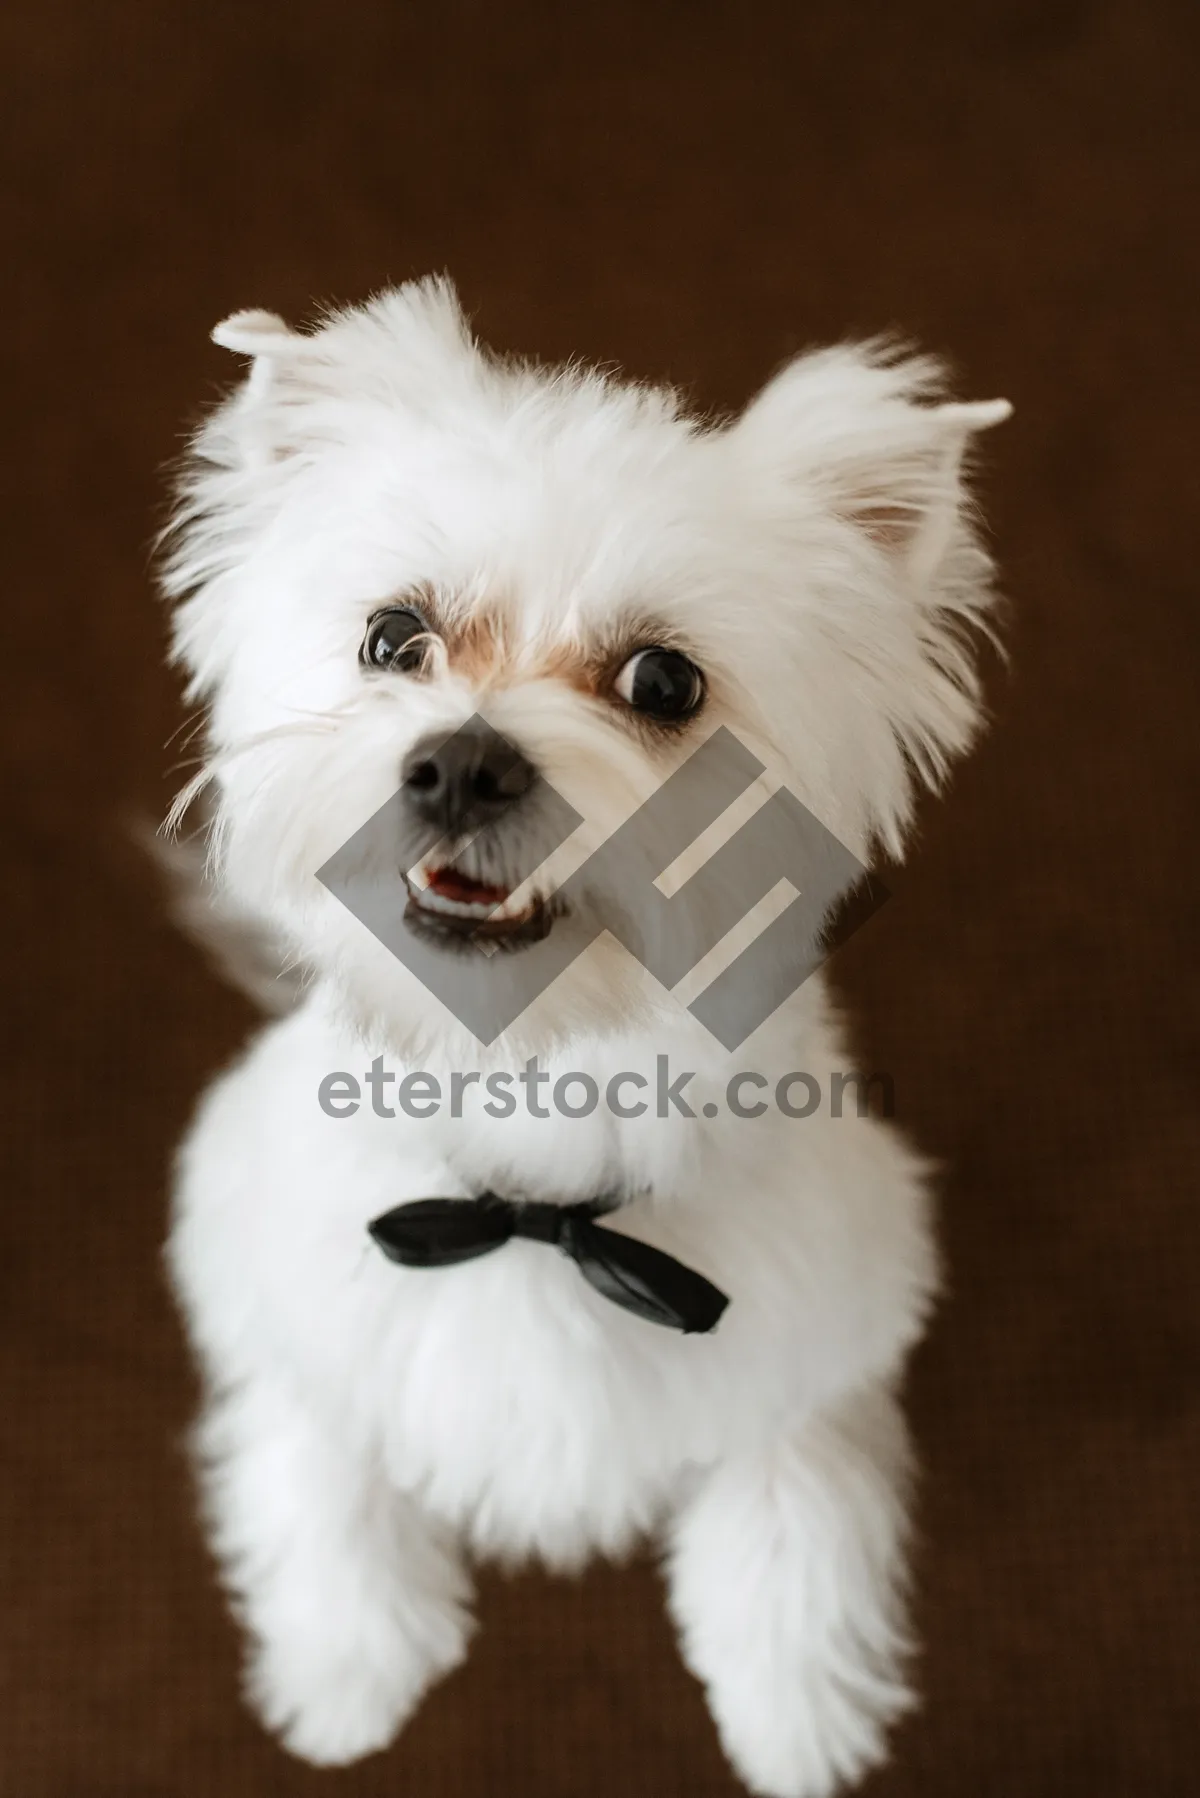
(351, 1712)
(829, 1730)
(332, 1706)
(787, 1583)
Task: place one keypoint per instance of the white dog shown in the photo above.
(421, 585)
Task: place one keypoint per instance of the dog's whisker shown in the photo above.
(215, 763)
(189, 727)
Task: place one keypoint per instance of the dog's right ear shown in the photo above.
(263, 336)
(263, 419)
(242, 461)
(253, 332)
(284, 367)
(406, 347)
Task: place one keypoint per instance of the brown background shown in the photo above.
(693, 190)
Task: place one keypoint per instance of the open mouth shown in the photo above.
(444, 899)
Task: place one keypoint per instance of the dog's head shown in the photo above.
(492, 607)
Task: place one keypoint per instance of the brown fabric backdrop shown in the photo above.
(693, 190)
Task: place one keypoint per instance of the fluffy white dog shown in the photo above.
(451, 595)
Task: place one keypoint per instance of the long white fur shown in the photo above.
(367, 1426)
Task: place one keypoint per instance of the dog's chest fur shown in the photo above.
(530, 1413)
(510, 1398)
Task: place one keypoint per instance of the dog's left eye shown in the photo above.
(663, 683)
(395, 641)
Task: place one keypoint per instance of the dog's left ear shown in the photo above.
(907, 493)
(863, 430)
(855, 464)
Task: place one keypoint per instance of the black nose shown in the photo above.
(464, 781)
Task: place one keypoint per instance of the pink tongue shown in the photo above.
(460, 887)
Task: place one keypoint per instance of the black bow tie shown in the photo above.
(440, 1232)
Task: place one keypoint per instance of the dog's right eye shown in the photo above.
(395, 641)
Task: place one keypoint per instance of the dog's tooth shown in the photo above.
(510, 913)
(427, 898)
(457, 908)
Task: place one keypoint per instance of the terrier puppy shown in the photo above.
(457, 622)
